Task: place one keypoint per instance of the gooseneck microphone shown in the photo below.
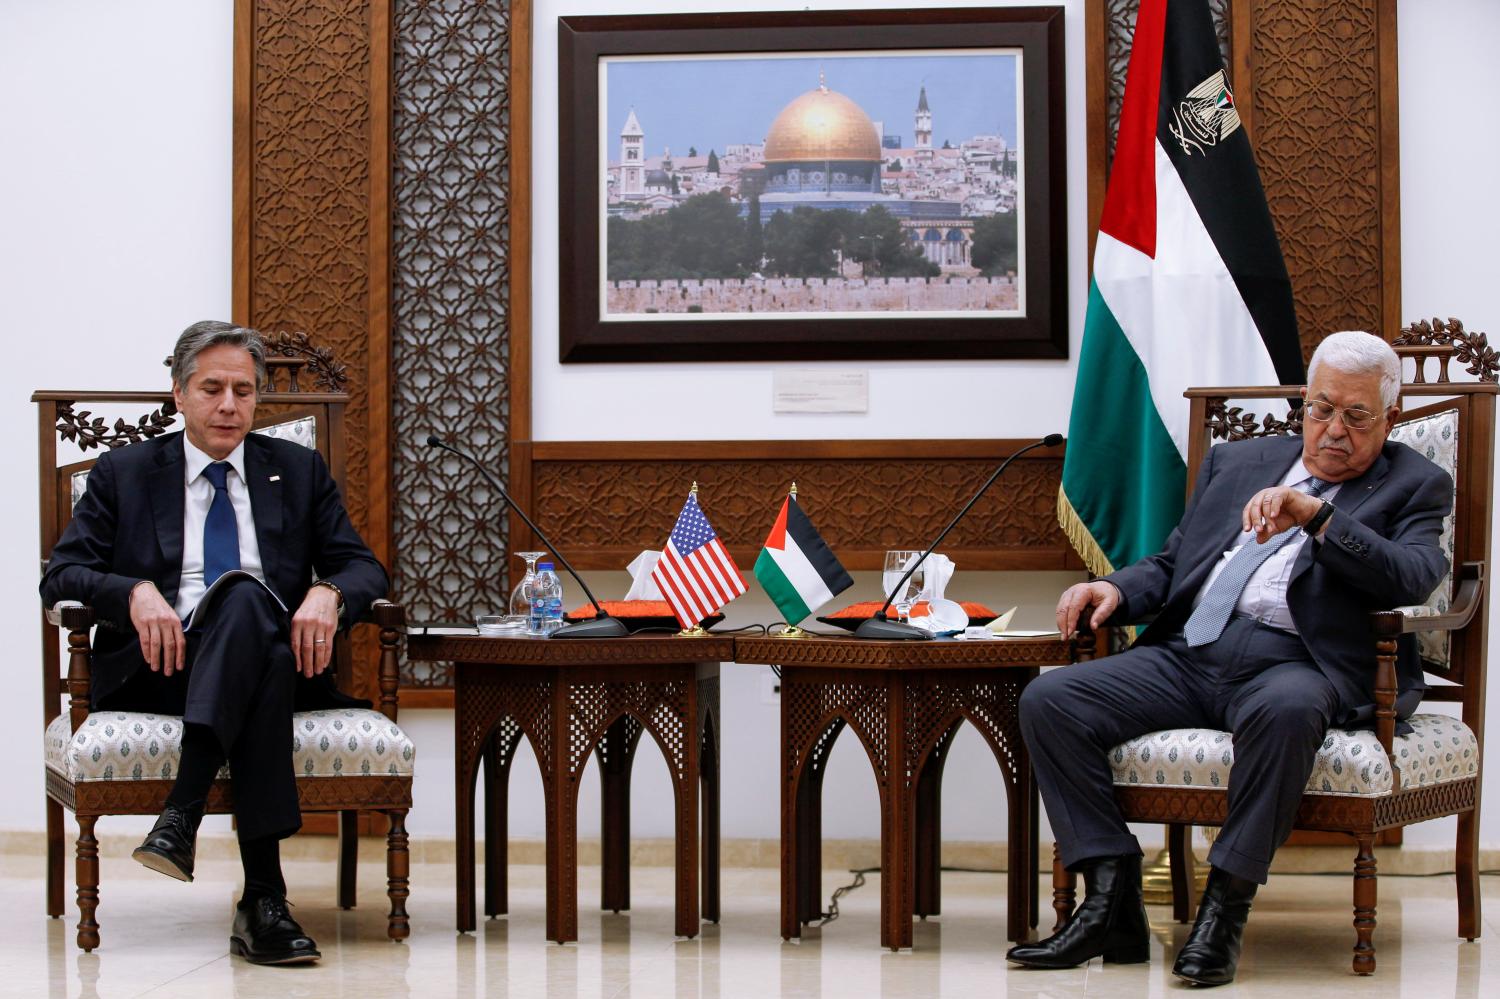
(602, 625)
(882, 628)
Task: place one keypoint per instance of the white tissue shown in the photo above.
(642, 586)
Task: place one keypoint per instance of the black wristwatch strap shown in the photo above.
(1313, 526)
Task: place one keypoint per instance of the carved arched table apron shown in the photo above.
(904, 701)
(572, 698)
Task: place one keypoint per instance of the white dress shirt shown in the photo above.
(1264, 596)
(199, 496)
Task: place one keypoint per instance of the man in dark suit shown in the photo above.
(161, 523)
(1261, 599)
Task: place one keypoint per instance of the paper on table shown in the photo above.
(1001, 623)
(1021, 633)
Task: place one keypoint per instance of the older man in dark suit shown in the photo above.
(1261, 599)
(220, 565)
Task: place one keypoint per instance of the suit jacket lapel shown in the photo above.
(264, 479)
(167, 491)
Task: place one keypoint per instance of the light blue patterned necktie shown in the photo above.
(1208, 619)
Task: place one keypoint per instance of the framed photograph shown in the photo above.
(831, 185)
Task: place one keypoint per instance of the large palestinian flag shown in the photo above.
(1189, 289)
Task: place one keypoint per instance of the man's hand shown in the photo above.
(313, 627)
(158, 627)
(1273, 510)
(1103, 597)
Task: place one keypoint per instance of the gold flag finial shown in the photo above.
(794, 490)
(694, 491)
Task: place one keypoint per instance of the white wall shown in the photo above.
(115, 233)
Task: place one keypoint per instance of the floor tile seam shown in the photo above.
(178, 977)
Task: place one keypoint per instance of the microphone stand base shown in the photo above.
(598, 627)
(890, 631)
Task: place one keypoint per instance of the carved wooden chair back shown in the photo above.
(313, 416)
(1362, 784)
(303, 400)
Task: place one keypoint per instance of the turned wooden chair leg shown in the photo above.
(1064, 889)
(86, 873)
(56, 868)
(1467, 869)
(397, 873)
(1364, 905)
(348, 857)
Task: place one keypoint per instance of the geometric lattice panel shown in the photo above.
(449, 295)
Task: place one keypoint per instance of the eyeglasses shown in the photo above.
(1354, 419)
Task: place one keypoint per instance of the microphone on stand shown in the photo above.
(602, 625)
(879, 626)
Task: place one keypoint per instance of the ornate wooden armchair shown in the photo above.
(122, 763)
(1363, 782)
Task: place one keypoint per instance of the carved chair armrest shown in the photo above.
(1390, 625)
(76, 619)
(1460, 611)
(391, 619)
(71, 615)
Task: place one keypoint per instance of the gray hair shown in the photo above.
(1356, 352)
(209, 333)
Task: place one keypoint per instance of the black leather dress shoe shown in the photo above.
(1212, 951)
(1109, 923)
(265, 933)
(170, 844)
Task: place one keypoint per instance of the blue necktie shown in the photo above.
(1207, 621)
(221, 534)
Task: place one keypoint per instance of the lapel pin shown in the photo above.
(275, 478)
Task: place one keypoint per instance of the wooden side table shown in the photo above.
(904, 701)
(573, 698)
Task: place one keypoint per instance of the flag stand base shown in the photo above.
(696, 631)
(792, 631)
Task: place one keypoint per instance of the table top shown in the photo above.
(842, 652)
(634, 649)
(848, 652)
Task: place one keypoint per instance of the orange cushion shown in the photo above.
(866, 609)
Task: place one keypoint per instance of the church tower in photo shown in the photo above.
(924, 124)
(632, 158)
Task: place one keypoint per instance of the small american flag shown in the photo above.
(695, 572)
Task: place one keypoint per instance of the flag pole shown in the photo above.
(791, 630)
(697, 630)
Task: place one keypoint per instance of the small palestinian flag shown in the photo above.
(796, 568)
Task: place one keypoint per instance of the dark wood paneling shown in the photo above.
(609, 500)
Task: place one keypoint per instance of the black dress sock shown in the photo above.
(262, 862)
(202, 756)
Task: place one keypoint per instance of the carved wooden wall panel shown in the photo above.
(309, 205)
(450, 301)
(1316, 85)
(612, 501)
(1319, 84)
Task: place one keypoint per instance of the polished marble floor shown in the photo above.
(162, 938)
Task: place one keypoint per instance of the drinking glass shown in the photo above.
(896, 563)
(520, 603)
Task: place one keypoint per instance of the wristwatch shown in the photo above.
(334, 587)
(1315, 524)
